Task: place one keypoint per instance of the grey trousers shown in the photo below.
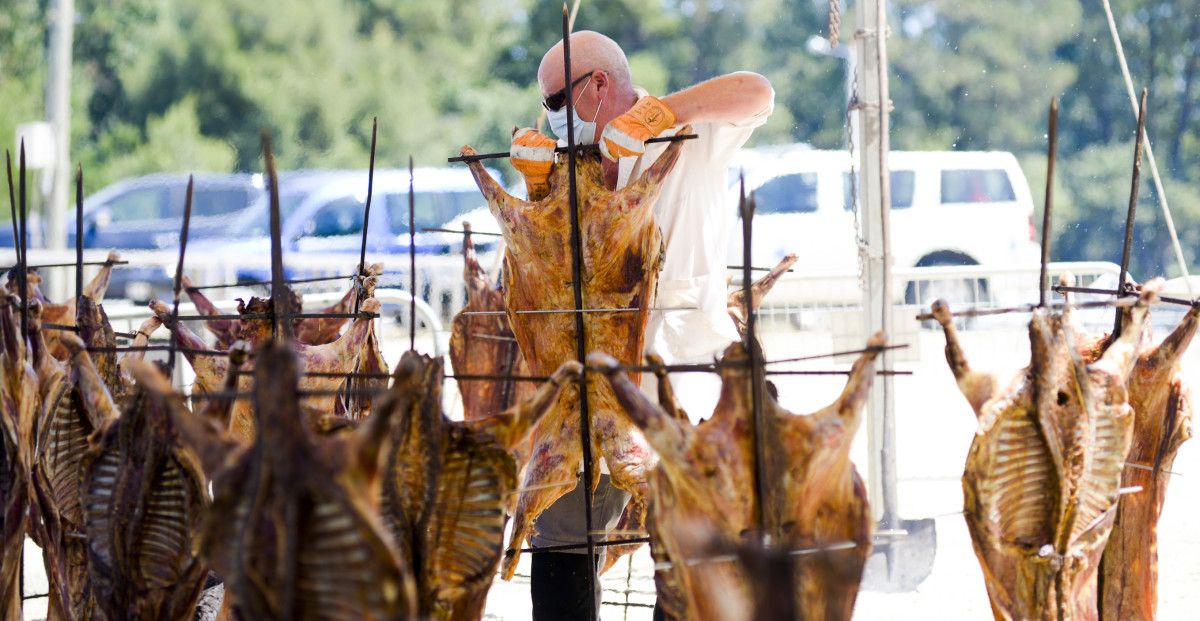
(563, 523)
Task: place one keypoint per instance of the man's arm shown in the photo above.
(732, 98)
(729, 98)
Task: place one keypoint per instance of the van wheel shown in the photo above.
(961, 294)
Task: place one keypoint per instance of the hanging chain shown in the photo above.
(835, 22)
(860, 241)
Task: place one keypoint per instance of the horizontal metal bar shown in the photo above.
(59, 326)
(1137, 466)
(256, 283)
(582, 546)
(363, 314)
(755, 269)
(880, 372)
(849, 352)
(551, 311)
(578, 148)
(182, 350)
(1029, 308)
(32, 267)
(238, 395)
(492, 337)
(1162, 298)
(460, 232)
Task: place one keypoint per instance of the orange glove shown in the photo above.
(627, 134)
(532, 154)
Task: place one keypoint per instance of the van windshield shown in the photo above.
(976, 186)
(430, 209)
(902, 190)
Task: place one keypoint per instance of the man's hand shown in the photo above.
(627, 134)
(532, 154)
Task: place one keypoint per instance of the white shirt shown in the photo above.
(696, 216)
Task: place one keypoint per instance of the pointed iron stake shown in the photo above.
(585, 425)
(78, 233)
(183, 237)
(746, 205)
(279, 326)
(1048, 206)
(412, 260)
(23, 245)
(12, 202)
(362, 253)
(1127, 248)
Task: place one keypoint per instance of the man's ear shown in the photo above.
(600, 80)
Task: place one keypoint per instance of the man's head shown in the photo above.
(604, 87)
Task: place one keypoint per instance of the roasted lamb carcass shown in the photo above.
(331, 359)
(66, 420)
(19, 403)
(142, 498)
(1043, 474)
(622, 251)
(448, 486)
(63, 314)
(292, 527)
(815, 500)
(310, 330)
(1162, 413)
(484, 344)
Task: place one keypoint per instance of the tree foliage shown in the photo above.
(184, 85)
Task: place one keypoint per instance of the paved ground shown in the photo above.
(934, 429)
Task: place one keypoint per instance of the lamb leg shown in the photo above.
(976, 386)
(225, 330)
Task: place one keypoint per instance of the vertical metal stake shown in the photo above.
(1048, 205)
(585, 428)
(412, 259)
(1127, 248)
(183, 237)
(78, 233)
(279, 324)
(751, 343)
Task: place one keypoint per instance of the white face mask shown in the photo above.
(585, 131)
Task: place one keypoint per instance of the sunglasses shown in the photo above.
(556, 100)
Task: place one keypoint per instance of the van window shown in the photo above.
(218, 201)
(796, 193)
(138, 205)
(902, 189)
(340, 217)
(430, 209)
(976, 186)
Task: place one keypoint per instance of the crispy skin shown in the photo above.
(63, 314)
(311, 330)
(143, 497)
(758, 291)
(622, 253)
(340, 356)
(19, 402)
(292, 528)
(484, 344)
(447, 486)
(1162, 413)
(705, 475)
(1042, 476)
(77, 401)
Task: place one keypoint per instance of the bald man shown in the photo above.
(695, 215)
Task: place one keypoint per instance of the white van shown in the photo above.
(948, 208)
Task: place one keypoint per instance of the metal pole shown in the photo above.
(59, 115)
(1048, 205)
(875, 198)
(280, 326)
(412, 259)
(362, 253)
(585, 427)
(78, 233)
(758, 437)
(183, 237)
(1127, 247)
